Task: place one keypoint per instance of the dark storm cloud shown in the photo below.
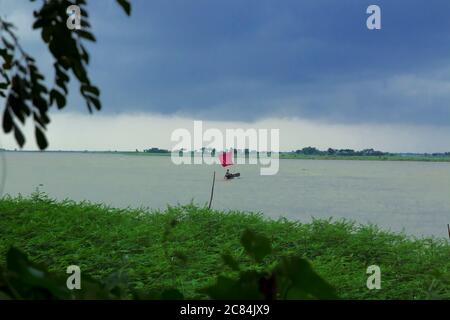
(250, 59)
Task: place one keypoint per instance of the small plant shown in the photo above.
(23, 279)
(291, 278)
(39, 195)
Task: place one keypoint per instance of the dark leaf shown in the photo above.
(256, 245)
(85, 24)
(61, 84)
(31, 280)
(62, 75)
(246, 287)
(84, 13)
(171, 294)
(91, 89)
(229, 261)
(126, 6)
(7, 65)
(38, 119)
(79, 71)
(21, 68)
(3, 52)
(40, 103)
(41, 139)
(8, 44)
(41, 118)
(64, 62)
(86, 35)
(20, 139)
(5, 76)
(40, 88)
(304, 281)
(19, 108)
(84, 54)
(7, 121)
(95, 102)
(46, 34)
(39, 23)
(57, 96)
(30, 59)
(268, 287)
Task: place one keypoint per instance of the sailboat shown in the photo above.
(226, 159)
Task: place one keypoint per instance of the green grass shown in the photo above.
(102, 240)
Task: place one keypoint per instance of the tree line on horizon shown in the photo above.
(340, 152)
(350, 152)
(311, 151)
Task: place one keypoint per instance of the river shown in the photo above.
(413, 197)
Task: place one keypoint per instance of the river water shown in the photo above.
(413, 197)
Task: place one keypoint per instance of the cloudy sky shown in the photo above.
(308, 67)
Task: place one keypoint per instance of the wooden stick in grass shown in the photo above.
(212, 191)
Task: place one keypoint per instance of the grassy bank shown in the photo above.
(102, 240)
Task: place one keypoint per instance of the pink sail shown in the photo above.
(226, 158)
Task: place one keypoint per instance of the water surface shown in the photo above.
(409, 196)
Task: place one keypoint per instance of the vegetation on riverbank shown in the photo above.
(188, 247)
(293, 155)
(376, 156)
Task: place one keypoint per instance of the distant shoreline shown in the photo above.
(283, 155)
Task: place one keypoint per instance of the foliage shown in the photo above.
(311, 151)
(291, 278)
(196, 252)
(22, 83)
(290, 155)
(23, 279)
(156, 150)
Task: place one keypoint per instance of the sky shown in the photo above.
(310, 68)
